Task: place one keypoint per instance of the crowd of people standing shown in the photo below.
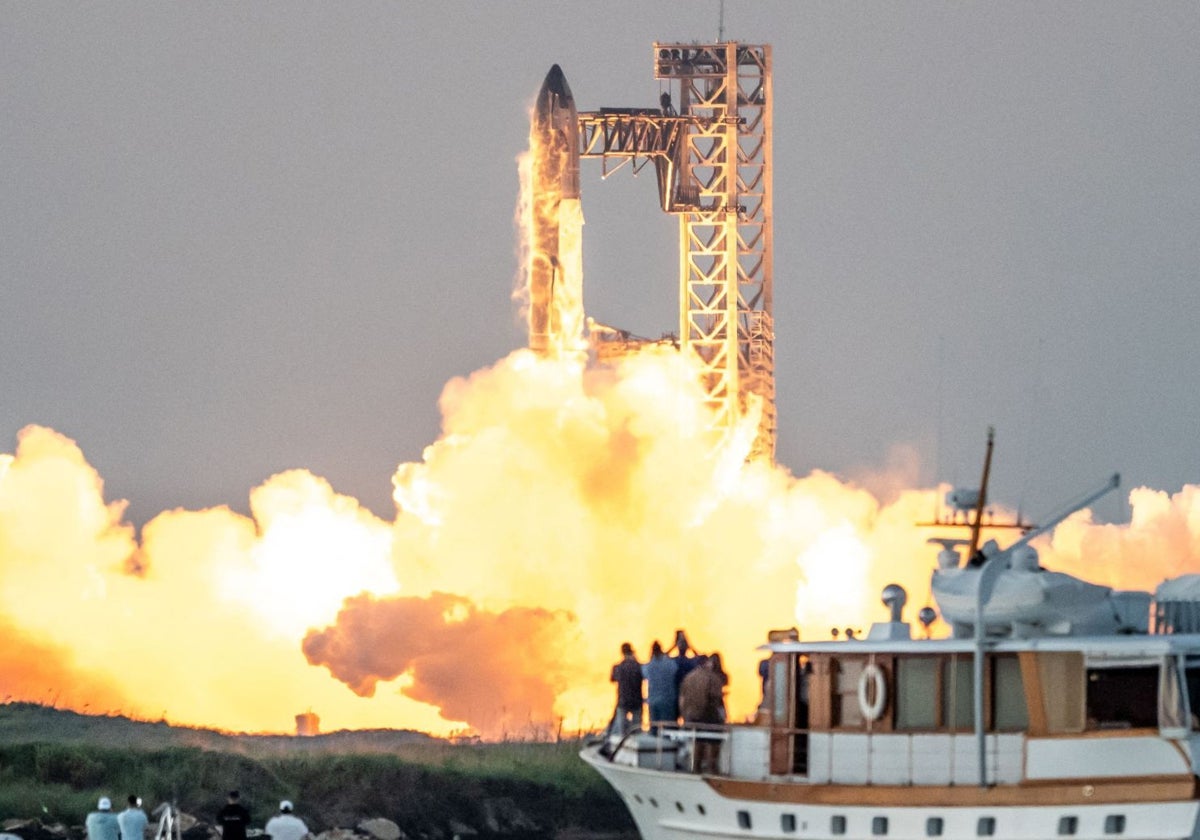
(685, 686)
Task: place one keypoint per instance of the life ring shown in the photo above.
(872, 677)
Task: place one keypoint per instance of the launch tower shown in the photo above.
(710, 142)
(711, 145)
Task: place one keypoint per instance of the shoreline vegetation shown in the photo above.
(55, 764)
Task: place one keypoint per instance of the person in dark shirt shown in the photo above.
(233, 818)
(627, 674)
(685, 661)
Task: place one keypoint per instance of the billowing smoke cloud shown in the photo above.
(498, 672)
(562, 512)
(1162, 540)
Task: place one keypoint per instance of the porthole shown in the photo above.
(679, 807)
(744, 820)
(986, 826)
(788, 823)
(1067, 826)
(637, 798)
(700, 808)
(879, 826)
(837, 825)
(653, 802)
(934, 826)
(1114, 824)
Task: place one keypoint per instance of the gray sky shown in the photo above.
(241, 238)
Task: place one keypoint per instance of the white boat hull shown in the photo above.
(674, 805)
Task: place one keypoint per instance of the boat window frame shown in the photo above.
(1094, 666)
(940, 689)
(936, 691)
(1190, 664)
(1173, 674)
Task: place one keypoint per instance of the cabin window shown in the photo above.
(1172, 709)
(743, 818)
(916, 684)
(1008, 695)
(986, 826)
(837, 825)
(1122, 697)
(846, 710)
(1067, 826)
(958, 694)
(787, 822)
(934, 826)
(1114, 824)
(1192, 677)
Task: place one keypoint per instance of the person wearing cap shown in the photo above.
(285, 825)
(233, 818)
(132, 821)
(101, 824)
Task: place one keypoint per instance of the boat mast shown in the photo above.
(987, 573)
(981, 502)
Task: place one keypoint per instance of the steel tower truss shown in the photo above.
(711, 147)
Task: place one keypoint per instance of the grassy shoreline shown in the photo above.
(54, 764)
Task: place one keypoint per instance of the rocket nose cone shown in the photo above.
(556, 83)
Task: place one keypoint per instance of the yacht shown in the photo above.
(1054, 708)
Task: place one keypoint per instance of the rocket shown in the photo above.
(555, 271)
(557, 122)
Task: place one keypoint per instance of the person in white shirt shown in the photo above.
(285, 825)
(132, 821)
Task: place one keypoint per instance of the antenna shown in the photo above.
(977, 521)
(721, 21)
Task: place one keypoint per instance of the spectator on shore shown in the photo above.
(662, 689)
(133, 820)
(101, 824)
(285, 825)
(233, 818)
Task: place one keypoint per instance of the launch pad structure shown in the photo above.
(710, 143)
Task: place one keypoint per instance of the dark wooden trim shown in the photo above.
(1031, 677)
(1076, 792)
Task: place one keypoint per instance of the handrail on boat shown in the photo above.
(689, 732)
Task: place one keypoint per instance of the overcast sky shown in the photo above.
(240, 238)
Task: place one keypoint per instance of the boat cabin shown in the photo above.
(831, 706)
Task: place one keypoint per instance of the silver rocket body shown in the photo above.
(555, 135)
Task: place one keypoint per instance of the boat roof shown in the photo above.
(1121, 646)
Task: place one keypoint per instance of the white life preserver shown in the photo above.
(872, 676)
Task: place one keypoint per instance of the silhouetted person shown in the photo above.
(684, 662)
(714, 661)
(233, 818)
(627, 674)
(700, 703)
(662, 689)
